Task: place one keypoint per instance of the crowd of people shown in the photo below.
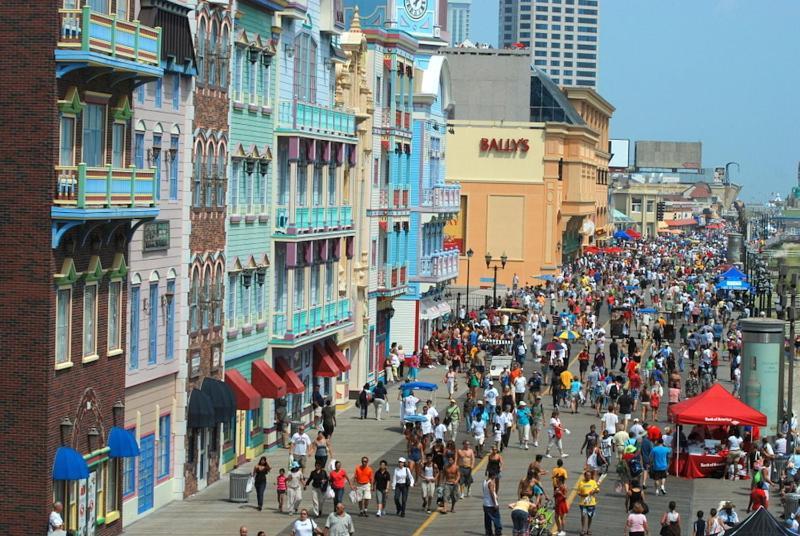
(669, 331)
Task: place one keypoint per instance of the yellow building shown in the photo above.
(535, 192)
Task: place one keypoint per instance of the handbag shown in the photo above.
(329, 493)
(251, 483)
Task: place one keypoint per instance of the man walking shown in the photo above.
(466, 463)
(587, 491)
(300, 444)
(339, 523)
(492, 523)
(660, 464)
(363, 479)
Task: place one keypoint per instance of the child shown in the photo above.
(281, 483)
(498, 434)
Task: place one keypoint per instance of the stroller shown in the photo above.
(542, 523)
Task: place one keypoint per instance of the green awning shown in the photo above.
(620, 216)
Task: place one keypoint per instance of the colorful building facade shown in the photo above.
(157, 276)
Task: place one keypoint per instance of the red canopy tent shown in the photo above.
(633, 233)
(716, 407)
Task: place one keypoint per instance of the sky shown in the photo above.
(724, 72)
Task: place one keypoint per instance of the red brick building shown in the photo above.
(77, 198)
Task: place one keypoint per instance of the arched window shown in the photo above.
(197, 181)
(194, 291)
(201, 49)
(206, 296)
(222, 165)
(219, 292)
(305, 68)
(211, 171)
(224, 51)
(213, 49)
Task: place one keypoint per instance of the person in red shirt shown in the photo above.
(655, 401)
(583, 362)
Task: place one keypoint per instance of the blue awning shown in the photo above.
(622, 235)
(122, 443)
(69, 465)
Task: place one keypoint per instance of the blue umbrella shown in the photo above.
(69, 465)
(545, 277)
(423, 386)
(648, 310)
(415, 418)
(622, 235)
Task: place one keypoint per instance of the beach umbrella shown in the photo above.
(422, 386)
(569, 335)
(648, 310)
(552, 347)
(544, 277)
(415, 418)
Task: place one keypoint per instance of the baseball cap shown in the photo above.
(401, 459)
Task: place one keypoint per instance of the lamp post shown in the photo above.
(470, 253)
(495, 267)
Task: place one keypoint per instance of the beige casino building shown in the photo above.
(536, 191)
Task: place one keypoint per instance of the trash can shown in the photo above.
(791, 502)
(778, 465)
(238, 487)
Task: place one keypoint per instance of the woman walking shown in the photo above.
(322, 449)
(294, 488)
(260, 472)
(671, 521)
(637, 522)
(562, 506)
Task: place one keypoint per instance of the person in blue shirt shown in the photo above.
(659, 464)
(575, 393)
(523, 423)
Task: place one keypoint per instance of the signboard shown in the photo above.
(669, 154)
(620, 153)
(91, 503)
(82, 484)
(504, 145)
(760, 367)
(155, 235)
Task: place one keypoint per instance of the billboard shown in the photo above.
(669, 154)
(759, 382)
(620, 153)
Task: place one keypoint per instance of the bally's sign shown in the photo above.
(504, 145)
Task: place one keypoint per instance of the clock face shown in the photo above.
(416, 8)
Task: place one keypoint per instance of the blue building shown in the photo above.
(431, 202)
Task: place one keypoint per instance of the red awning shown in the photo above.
(246, 396)
(293, 383)
(715, 225)
(686, 222)
(266, 380)
(591, 250)
(716, 407)
(324, 365)
(338, 356)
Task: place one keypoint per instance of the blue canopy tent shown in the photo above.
(415, 418)
(422, 386)
(69, 465)
(622, 235)
(733, 274)
(648, 310)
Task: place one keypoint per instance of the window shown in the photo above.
(129, 474)
(94, 134)
(112, 479)
(63, 324)
(101, 6)
(222, 162)
(259, 301)
(314, 294)
(587, 47)
(156, 162)
(236, 173)
(218, 294)
(173, 167)
(587, 65)
(266, 84)
(118, 145)
(67, 141)
(194, 291)
(586, 56)
(238, 68)
(164, 450)
(541, 26)
(305, 68)
(302, 182)
(176, 91)
(206, 297)
(331, 184)
(222, 56)
(212, 51)
(201, 50)
(158, 90)
(252, 81)
(636, 204)
(152, 353)
(90, 320)
(299, 288)
(650, 206)
(197, 185)
(138, 150)
(329, 278)
(134, 335)
(378, 89)
(233, 283)
(122, 9)
(140, 94)
(255, 421)
(316, 186)
(169, 349)
(211, 168)
(114, 315)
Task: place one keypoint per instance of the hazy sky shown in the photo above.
(724, 72)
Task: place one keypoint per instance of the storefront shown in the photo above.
(432, 315)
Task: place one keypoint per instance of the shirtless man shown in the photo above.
(466, 463)
(451, 476)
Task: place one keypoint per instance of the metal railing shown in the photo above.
(105, 187)
(298, 115)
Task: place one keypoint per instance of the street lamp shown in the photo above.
(489, 260)
(470, 253)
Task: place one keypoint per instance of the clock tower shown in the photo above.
(422, 19)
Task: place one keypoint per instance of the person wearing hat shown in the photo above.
(522, 421)
(452, 416)
(728, 515)
(402, 481)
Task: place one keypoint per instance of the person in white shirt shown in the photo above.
(734, 452)
(610, 420)
(409, 405)
(300, 443)
(56, 522)
(780, 445)
(305, 526)
(490, 395)
(427, 424)
(402, 480)
(520, 386)
(439, 430)
(637, 430)
(479, 433)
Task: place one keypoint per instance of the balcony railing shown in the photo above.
(440, 265)
(315, 317)
(329, 313)
(332, 217)
(278, 324)
(300, 322)
(87, 31)
(317, 218)
(314, 219)
(442, 198)
(83, 187)
(313, 118)
(346, 216)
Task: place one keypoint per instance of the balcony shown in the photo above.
(443, 199)
(302, 117)
(102, 193)
(307, 325)
(441, 266)
(91, 40)
(313, 220)
(392, 281)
